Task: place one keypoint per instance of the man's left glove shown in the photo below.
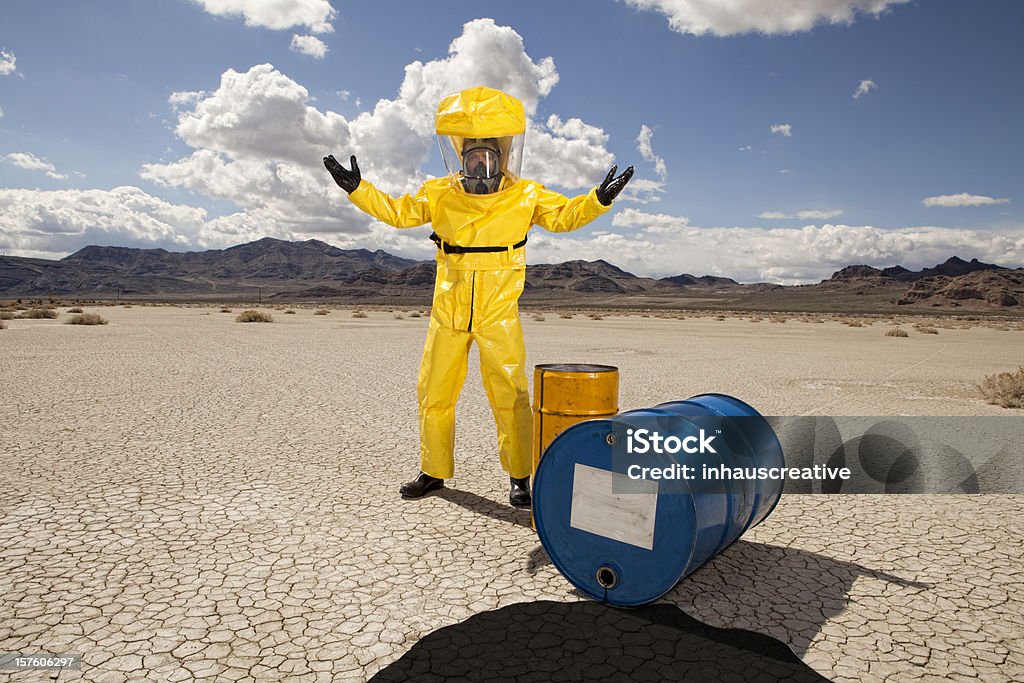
(608, 190)
(347, 180)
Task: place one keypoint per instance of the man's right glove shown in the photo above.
(347, 180)
(608, 190)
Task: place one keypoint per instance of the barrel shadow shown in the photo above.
(589, 641)
(788, 592)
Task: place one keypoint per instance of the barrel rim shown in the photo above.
(579, 368)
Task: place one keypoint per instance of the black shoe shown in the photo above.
(420, 486)
(519, 495)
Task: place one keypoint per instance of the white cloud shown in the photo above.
(343, 95)
(784, 129)
(60, 221)
(567, 154)
(308, 45)
(577, 130)
(7, 63)
(818, 215)
(279, 15)
(662, 245)
(646, 190)
(652, 222)
(802, 215)
(185, 97)
(259, 114)
(745, 148)
(258, 142)
(30, 162)
(641, 191)
(643, 145)
(399, 132)
(864, 88)
(731, 17)
(962, 199)
(1, 112)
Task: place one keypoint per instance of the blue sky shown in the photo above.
(96, 147)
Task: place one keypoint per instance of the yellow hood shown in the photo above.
(480, 112)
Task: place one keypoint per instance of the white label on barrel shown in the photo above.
(623, 513)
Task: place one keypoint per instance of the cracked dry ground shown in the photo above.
(185, 497)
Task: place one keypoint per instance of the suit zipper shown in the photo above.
(472, 295)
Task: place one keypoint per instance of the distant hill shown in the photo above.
(265, 262)
(953, 283)
(314, 270)
(952, 267)
(998, 287)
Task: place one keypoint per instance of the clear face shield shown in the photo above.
(478, 165)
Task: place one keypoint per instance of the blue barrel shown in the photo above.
(627, 541)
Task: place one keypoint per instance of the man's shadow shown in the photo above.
(485, 506)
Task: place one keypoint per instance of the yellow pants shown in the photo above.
(480, 306)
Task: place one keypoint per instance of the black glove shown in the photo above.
(608, 190)
(347, 180)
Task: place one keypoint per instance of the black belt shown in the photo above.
(456, 249)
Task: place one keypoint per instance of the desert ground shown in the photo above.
(188, 497)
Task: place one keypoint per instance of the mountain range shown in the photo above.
(313, 269)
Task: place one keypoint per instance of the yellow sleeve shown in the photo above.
(558, 213)
(407, 211)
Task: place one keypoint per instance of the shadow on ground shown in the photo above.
(588, 641)
(485, 506)
(788, 589)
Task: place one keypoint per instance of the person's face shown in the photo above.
(481, 162)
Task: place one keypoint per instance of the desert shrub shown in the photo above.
(6, 315)
(777, 319)
(854, 323)
(926, 329)
(567, 316)
(3, 325)
(252, 316)
(359, 314)
(1005, 389)
(595, 316)
(39, 313)
(321, 311)
(289, 312)
(414, 314)
(896, 332)
(399, 316)
(76, 309)
(225, 310)
(538, 317)
(86, 319)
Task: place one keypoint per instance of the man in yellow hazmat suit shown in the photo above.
(480, 214)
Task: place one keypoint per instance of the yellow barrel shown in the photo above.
(567, 393)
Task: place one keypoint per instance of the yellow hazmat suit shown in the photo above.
(476, 295)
